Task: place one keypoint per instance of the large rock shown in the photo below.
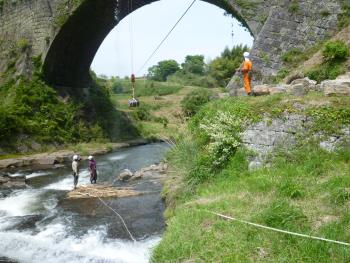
(125, 175)
(338, 87)
(298, 89)
(260, 90)
(278, 89)
(306, 82)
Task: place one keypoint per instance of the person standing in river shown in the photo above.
(75, 168)
(92, 169)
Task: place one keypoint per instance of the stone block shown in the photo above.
(261, 90)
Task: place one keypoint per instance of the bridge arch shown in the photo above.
(73, 48)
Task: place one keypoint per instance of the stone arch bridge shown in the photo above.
(65, 34)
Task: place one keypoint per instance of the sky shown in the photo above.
(203, 31)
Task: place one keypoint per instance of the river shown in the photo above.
(38, 224)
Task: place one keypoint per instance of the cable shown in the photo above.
(127, 229)
(131, 37)
(161, 43)
(276, 229)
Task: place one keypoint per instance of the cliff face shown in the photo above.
(67, 33)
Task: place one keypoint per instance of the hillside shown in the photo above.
(300, 186)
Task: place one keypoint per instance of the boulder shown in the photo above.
(125, 175)
(240, 92)
(277, 89)
(298, 89)
(260, 90)
(310, 84)
(137, 176)
(338, 87)
(297, 75)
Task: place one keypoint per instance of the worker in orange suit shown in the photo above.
(246, 70)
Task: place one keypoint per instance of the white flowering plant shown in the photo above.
(223, 132)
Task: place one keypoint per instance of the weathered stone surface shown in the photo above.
(277, 89)
(298, 89)
(12, 182)
(338, 87)
(125, 175)
(267, 135)
(263, 137)
(306, 82)
(260, 90)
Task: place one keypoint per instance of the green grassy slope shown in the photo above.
(305, 190)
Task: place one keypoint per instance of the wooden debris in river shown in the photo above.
(94, 191)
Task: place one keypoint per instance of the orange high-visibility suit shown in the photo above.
(246, 69)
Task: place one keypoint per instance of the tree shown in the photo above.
(194, 64)
(224, 67)
(164, 69)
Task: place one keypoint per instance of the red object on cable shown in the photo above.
(133, 78)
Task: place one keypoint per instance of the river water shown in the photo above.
(38, 224)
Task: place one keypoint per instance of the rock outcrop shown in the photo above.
(300, 87)
(264, 137)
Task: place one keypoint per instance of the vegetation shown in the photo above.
(302, 190)
(195, 72)
(344, 17)
(65, 9)
(194, 100)
(224, 67)
(164, 69)
(294, 7)
(335, 54)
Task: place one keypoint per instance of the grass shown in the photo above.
(295, 194)
(305, 190)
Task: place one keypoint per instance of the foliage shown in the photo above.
(335, 51)
(294, 7)
(344, 17)
(194, 100)
(117, 87)
(162, 70)
(329, 119)
(142, 113)
(325, 71)
(225, 66)
(223, 132)
(190, 79)
(194, 64)
(334, 55)
(294, 56)
(64, 10)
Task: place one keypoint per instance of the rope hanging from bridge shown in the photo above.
(165, 38)
(132, 102)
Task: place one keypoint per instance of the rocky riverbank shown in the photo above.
(57, 158)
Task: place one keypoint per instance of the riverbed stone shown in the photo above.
(126, 174)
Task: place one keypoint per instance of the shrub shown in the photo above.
(325, 71)
(156, 88)
(223, 132)
(294, 7)
(142, 114)
(335, 51)
(194, 100)
(190, 79)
